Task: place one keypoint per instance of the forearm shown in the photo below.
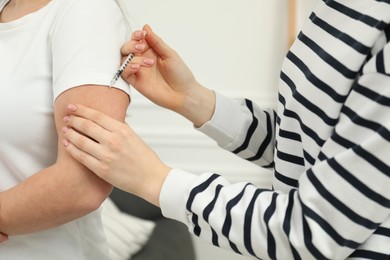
(49, 198)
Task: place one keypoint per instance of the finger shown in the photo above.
(93, 115)
(131, 69)
(156, 43)
(143, 61)
(134, 47)
(135, 66)
(83, 143)
(139, 61)
(88, 160)
(138, 35)
(86, 127)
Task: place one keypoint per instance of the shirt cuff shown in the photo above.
(174, 195)
(226, 122)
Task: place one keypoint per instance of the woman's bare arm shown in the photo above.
(66, 190)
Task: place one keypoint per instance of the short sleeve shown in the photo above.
(86, 39)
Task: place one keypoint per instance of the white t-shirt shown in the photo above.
(65, 44)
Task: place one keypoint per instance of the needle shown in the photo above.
(121, 69)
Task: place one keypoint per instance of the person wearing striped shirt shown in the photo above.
(328, 143)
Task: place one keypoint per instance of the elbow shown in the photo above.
(96, 198)
(89, 200)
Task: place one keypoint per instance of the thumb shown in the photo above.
(156, 43)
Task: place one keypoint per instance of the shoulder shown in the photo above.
(85, 43)
(91, 4)
(87, 16)
(88, 8)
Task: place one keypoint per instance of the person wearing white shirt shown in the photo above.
(52, 53)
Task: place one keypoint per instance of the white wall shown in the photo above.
(234, 47)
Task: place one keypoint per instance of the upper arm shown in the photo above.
(86, 41)
(78, 178)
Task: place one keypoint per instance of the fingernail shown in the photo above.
(65, 119)
(149, 61)
(72, 107)
(65, 129)
(139, 47)
(140, 33)
(65, 142)
(135, 66)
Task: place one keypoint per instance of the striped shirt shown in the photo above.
(328, 144)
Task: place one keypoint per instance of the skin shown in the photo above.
(67, 187)
(3, 238)
(114, 151)
(169, 83)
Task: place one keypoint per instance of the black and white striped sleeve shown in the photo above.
(340, 202)
(243, 128)
(336, 208)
